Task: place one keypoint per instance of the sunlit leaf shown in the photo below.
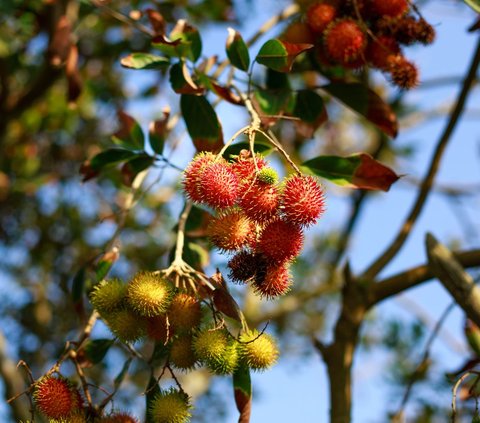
(158, 131)
(144, 61)
(130, 134)
(279, 55)
(237, 50)
(181, 80)
(474, 4)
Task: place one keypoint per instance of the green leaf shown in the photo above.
(121, 376)
(310, 109)
(144, 61)
(355, 171)
(184, 42)
(78, 285)
(280, 55)
(134, 166)
(242, 388)
(259, 147)
(202, 123)
(237, 50)
(158, 131)
(96, 349)
(104, 265)
(130, 134)
(474, 4)
(367, 103)
(181, 81)
(151, 392)
(111, 157)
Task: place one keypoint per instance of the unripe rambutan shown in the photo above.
(126, 324)
(118, 417)
(260, 201)
(393, 8)
(108, 295)
(302, 200)
(218, 185)
(171, 406)
(320, 15)
(149, 294)
(185, 312)
(379, 50)
(76, 417)
(281, 240)
(259, 351)
(191, 175)
(247, 267)
(244, 166)
(276, 281)
(227, 362)
(231, 230)
(209, 344)
(403, 73)
(159, 328)
(55, 397)
(268, 176)
(182, 355)
(344, 41)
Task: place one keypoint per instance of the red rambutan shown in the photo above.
(218, 185)
(391, 8)
(260, 201)
(159, 329)
(302, 200)
(118, 417)
(379, 50)
(281, 240)
(231, 230)
(344, 41)
(319, 15)
(275, 282)
(244, 165)
(56, 398)
(403, 73)
(192, 173)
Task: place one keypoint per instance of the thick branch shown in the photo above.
(425, 188)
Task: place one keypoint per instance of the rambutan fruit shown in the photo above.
(75, 417)
(258, 350)
(185, 312)
(218, 185)
(191, 175)
(298, 33)
(170, 406)
(281, 240)
(227, 362)
(244, 166)
(149, 294)
(276, 281)
(231, 230)
(56, 397)
(118, 417)
(126, 324)
(425, 33)
(108, 295)
(344, 41)
(260, 201)
(403, 73)
(159, 328)
(392, 8)
(320, 15)
(216, 350)
(247, 267)
(379, 50)
(182, 355)
(302, 200)
(267, 175)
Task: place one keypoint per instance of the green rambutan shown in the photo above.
(185, 312)
(108, 295)
(56, 397)
(171, 406)
(231, 230)
(149, 294)
(281, 240)
(75, 417)
(216, 350)
(126, 324)
(182, 355)
(258, 350)
(267, 175)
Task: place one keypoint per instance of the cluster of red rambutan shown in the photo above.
(358, 33)
(258, 219)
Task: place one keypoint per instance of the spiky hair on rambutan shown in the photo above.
(274, 282)
(302, 200)
(159, 328)
(118, 417)
(231, 230)
(76, 417)
(319, 15)
(181, 354)
(267, 175)
(56, 398)
(391, 8)
(379, 51)
(280, 240)
(108, 295)
(126, 324)
(403, 73)
(149, 294)
(170, 406)
(246, 267)
(258, 350)
(260, 201)
(218, 185)
(191, 175)
(245, 166)
(345, 41)
(184, 312)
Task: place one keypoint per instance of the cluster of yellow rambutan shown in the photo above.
(358, 33)
(259, 219)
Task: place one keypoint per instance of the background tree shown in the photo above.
(63, 94)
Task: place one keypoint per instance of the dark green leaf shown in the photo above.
(242, 388)
(202, 123)
(144, 61)
(121, 376)
(353, 95)
(96, 349)
(474, 4)
(181, 81)
(279, 55)
(130, 134)
(157, 132)
(237, 50)
(110, 157)
(234, 149)
(151, 392)
(310, 109)
(78, 285)
(184, 42)
(134, 166)
(356, 171)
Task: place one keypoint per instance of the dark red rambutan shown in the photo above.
(218, 185)
(425, 32)
(302, 200)
(247, 267)
(244, 166)
(379, 50)
(260, 201)
(275, 282)
(231, 230)
(403, 73)
(280, 240)
(118, 417)
(344, 41)
(191, 175)
(159, 328)
(56, 397)
(320, 15)
(393, 8)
